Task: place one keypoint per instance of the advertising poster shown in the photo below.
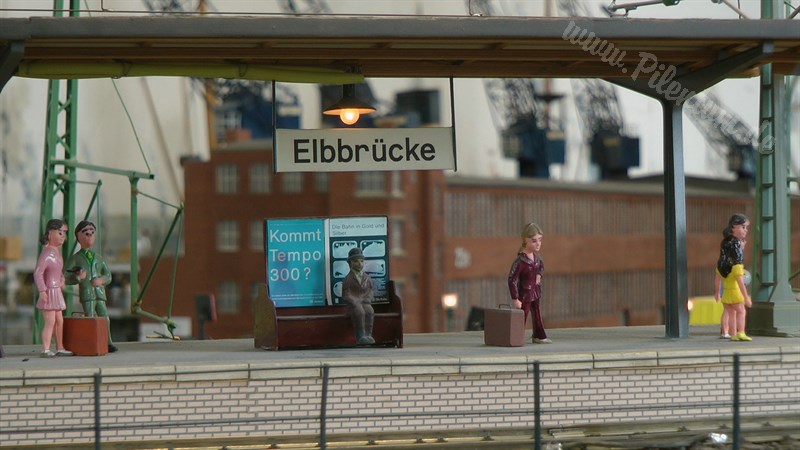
(307, 258)
(296, 262)
(370, 235)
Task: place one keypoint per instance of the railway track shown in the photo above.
(773, 433)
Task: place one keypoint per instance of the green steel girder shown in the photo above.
(61, 139)
(776, 310)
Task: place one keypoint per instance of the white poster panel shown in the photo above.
(370, 235)
(364, 149)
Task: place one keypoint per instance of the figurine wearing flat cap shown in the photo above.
(89, 271)
(358, 294)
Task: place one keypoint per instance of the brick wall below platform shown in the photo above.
(253, 401)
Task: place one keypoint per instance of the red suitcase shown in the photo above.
(504, 327)
(86, 336)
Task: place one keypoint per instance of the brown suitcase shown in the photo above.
(504, 327)
(86, 336)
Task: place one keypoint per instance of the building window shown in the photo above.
(437, 260)
(321, 182)
(260, 178)
(227, 236)
(254, 287)
(257, 236)
(292, 182)
(398, 288)
(226, 179)
(397, 236)
(438, 209)
(397, 183)
(229, 119)
(370, 182)
(228, 298)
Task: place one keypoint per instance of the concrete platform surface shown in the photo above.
(579, 344)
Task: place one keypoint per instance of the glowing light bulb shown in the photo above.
(348, 108)
(349, 116)
(449, 301)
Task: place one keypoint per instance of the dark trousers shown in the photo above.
(532, 309)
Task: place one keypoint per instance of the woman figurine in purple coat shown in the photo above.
(49, 279)
(525, 280)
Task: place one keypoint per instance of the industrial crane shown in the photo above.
(725, 132)
(237, 103)
(598, 107)
(330, 94)
(164, 5)
(529, 135)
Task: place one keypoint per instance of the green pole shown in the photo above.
(54, 181)
(775, 309)
(134, 240)
(70, 173)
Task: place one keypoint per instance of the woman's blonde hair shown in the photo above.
(530, 230)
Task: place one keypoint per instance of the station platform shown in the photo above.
(224, 391)
(568, 343)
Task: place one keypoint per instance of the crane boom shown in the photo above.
(599, 110)
(598, 106)
(514, 101)
(725, 132)
(528, 133)
(305, 7)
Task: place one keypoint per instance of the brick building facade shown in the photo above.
(603, 247)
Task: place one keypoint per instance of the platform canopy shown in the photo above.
(327, 48)
(666, 59)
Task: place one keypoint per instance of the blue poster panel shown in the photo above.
(296, 262)
(370, 235)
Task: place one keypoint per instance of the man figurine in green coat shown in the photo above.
(89, 271)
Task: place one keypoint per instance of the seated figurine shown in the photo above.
(357, 293)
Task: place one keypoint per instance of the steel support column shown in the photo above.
(676, 317)
(672, 86)
(10, 56)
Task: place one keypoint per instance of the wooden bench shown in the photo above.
(322, 326)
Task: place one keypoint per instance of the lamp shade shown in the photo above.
(349, 108)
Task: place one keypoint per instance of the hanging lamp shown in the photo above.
(349, 108)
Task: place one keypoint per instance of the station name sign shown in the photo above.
(364, 149)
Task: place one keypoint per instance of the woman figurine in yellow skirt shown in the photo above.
(730, 274)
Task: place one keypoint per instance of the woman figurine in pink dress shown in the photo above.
(49, 279)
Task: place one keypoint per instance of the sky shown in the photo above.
(148, 123)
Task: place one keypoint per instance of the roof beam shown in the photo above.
(399, 46)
